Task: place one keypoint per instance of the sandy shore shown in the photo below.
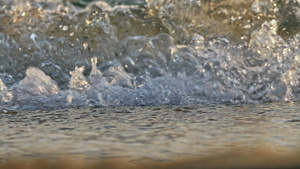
(229, 160)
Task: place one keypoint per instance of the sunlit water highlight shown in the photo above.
(151, 133)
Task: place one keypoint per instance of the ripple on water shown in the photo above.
(162, 133)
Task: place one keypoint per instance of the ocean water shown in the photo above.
(139, 134)
(119, 77)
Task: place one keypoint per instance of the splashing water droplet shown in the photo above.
(78, 81)
(2, 86)
(38, 83)
(95, 75)
(65, 28)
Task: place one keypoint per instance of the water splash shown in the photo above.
(144, 55)
(95, 75)
(36, 83)
(5, 95)
(78, 81)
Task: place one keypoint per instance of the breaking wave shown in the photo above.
(152, 53)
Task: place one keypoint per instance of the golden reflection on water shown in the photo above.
(155, 133)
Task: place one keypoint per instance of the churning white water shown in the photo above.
(56, 55)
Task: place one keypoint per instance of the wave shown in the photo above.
(151, 53)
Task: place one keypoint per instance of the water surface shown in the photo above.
(151, 133)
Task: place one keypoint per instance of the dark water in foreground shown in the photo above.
(151, 133)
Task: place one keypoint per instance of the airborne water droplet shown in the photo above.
(95, 75)
(65, 28)
(78, 81)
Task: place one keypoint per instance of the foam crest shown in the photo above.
(78, 81)
(168, 52)
(37, 83)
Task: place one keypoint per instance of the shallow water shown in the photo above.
(151, 133)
